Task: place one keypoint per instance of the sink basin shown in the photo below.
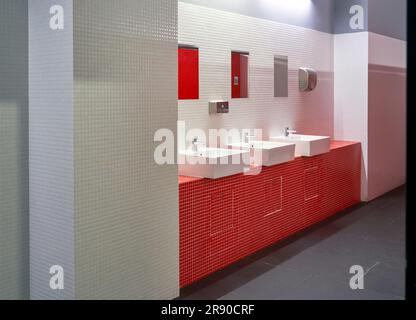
(272, 153)
(306, 146)
(212, 163)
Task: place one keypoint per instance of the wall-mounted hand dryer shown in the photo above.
(219, 107)
(308, 79)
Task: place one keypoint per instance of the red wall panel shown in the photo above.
(225, 220)
(239, 71)
(244, 76)
(188, 73)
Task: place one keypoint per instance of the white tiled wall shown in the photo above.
(127, 220)
(51, 150)
(100, 206)
(217, 33)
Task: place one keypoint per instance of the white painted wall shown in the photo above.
(387, 114)
(387, 51)
(370, 106)
(351, 94)
(217, 33)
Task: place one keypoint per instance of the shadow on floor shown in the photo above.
(315, 263)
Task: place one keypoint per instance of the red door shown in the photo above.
(188, 73)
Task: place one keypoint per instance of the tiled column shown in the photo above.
(100, 206)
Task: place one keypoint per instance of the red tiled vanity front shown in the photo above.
(225, 220)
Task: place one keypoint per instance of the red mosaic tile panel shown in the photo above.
(225, 220)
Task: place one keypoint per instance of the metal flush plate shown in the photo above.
(281, 76)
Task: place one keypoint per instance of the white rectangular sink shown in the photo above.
(212, 163)
(271, 153)
(306, 146)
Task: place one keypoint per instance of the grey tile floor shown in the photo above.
(315, 265)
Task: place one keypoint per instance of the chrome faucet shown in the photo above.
(289, 131)
(248, 137)
(196, 144)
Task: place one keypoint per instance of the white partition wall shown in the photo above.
(351, 94)
(370, 106)
(387, 74)
(100, 206)
(370, 91)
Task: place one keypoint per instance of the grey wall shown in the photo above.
(51, 150)
(342, 15)
(319, 17)
(388, 17)
(385, 17)
(14, 213)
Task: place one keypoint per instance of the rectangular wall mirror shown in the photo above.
(281, 76)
